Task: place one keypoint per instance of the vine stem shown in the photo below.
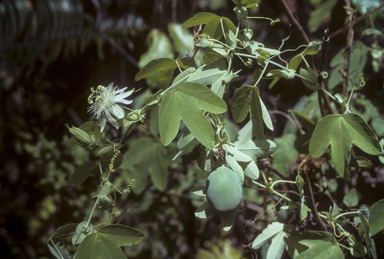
(109, 173)
(283, 196)
(262, 73)
(359, 19)
(311, 200)
(294, 21)
(278, 194)
(97, 200)
(348, 45)
(129, 130)
(57, 249)
(346, 213)
(237, 29)
(346, 247)
(278, 65)
(282, 181)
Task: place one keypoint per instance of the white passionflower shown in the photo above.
(105, 105)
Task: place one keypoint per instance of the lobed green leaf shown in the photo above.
(187, 103)
(340, 132)
(271, 230)
(320, 244)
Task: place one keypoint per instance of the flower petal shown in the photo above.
(102, 122)
(111, 119)
(124, 101)
(120, 90)
(126, 94)
(117, 111)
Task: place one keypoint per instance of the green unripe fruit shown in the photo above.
(224, 190)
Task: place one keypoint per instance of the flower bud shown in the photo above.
(241, 12)
(247, 33)
(82, 137)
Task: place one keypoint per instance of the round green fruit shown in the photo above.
(224, 190)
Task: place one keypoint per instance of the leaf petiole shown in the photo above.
(282, 181)
(278, 65)
(346, 213)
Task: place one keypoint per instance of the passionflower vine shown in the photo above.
(105, 104)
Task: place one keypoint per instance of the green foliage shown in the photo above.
(186, 103)
(351, 199)
(108, 240)
(312, 49)
(376, 217)
(340, 132)
(309, 73)
(247, 99)
(182, 39)
(357, 63)
(212, 24)
(191, 106)
(364, 5)
(267, 234)
(366, 228)
(159, 46)
(166, 66)
(246, 3)
(320, 245)
(322, 11)
(221, 250)
(136, 159)
(82, 172)
(370, 112)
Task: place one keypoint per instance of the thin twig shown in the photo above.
(292, 120)
(293, 20)
(375, 41)
(320, 77)
(174, 10)
(119, 49)
(263, 189)
(359, 19)
(111, 42)
(273, 169)
(323, 51)
(295, 122)
(348, 44)
(311, 200)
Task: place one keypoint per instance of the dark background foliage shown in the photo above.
(49, 59)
